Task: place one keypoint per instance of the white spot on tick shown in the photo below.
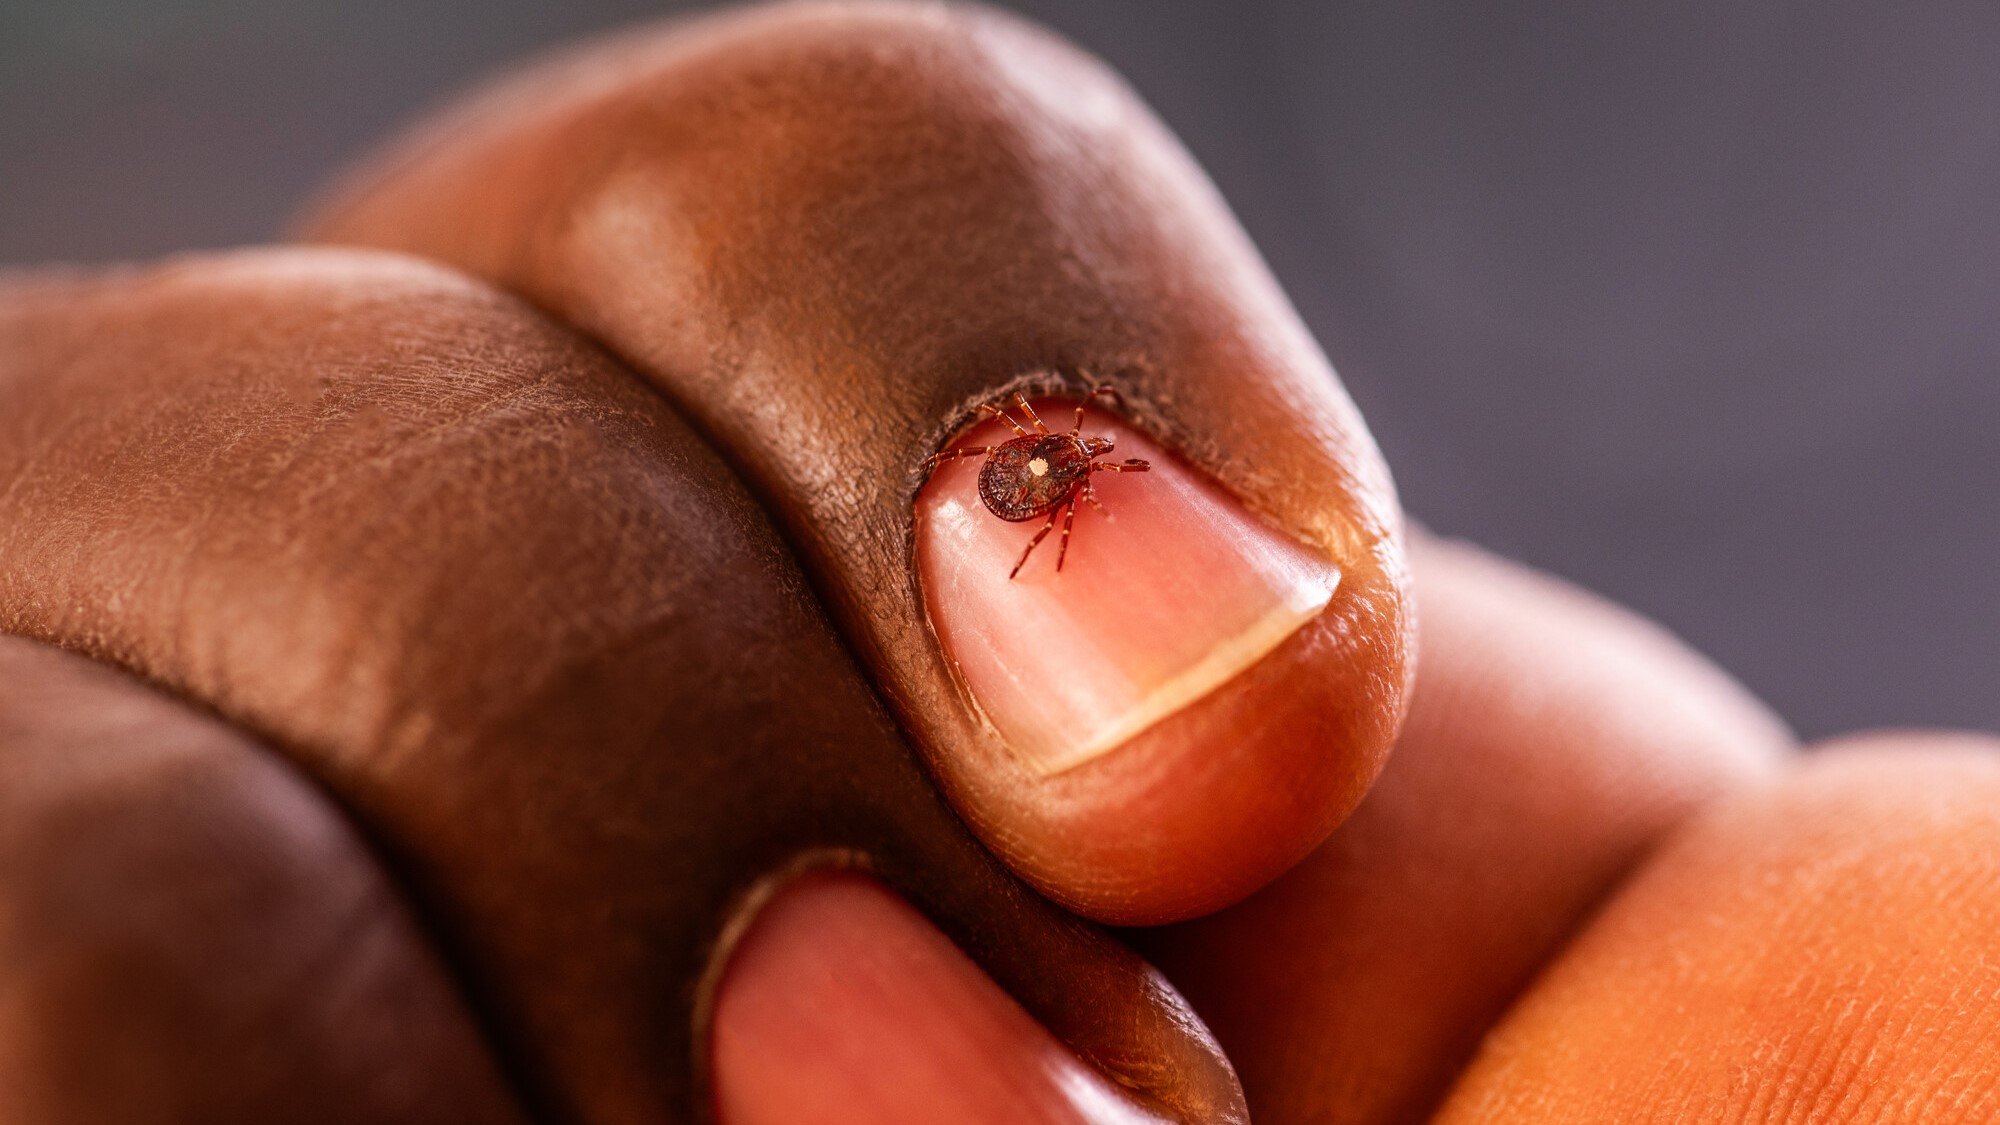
(1039, 467)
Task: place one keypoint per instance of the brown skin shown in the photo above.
(189, 932)
(1553, 740)
(488, 590)
(1554, 746)
(499, 605)
(829, 234)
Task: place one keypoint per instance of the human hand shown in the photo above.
(498, 599)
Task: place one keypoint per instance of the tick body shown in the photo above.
(1039, 473)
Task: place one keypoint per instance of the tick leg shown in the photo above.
(1031, 545)
(1062, 548)
(1002, 415)
(1133, 466)
(1101, 389)
(936, 459)
(1030, 412)
(1090, 493)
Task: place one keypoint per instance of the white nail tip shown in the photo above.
(1151, 613)
(1222, 664)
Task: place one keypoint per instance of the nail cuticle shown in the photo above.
(1156, 610)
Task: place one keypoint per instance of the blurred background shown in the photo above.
(1697, 303)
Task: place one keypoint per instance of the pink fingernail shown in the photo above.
(1163, 596)
(842, 1004)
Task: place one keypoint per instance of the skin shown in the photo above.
(580, 667)
(488, 590)
(829, 339)
(1820, 949)
(1515, 802)
(143, 845)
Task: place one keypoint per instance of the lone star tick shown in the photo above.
(1040, 473)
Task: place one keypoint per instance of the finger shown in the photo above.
(189, 933)
(844, 1005)
(486, 588)
(1552, 739)
(1818, 950)
(831, 234)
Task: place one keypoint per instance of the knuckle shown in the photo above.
(389, 475)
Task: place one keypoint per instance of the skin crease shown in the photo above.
(230, 349)
(1553, 740)
(1816, 950)
(829, 232)
(484, 587)
(142, 845)
(328, 505)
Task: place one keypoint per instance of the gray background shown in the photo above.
(1694, 302)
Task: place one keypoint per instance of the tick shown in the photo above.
(1040, 473)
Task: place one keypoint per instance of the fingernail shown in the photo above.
(843, 1004)
(1164, 595)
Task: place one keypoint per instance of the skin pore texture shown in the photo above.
(510, 699)
(829, 233)
(486, 589)
(1816, 950)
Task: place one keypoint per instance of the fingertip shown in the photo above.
(1167, 589)
(843, 1004)
(865, 222)
(1552, 740)
(1185, 709)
